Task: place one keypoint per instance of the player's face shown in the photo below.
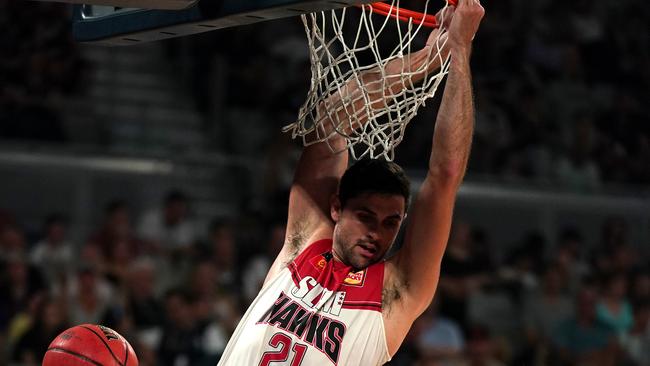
(366, 227)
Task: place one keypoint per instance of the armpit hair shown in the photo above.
(296, 238)
(392, 293)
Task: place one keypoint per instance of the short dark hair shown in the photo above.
(374, 176)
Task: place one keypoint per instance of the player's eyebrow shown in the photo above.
(367, 210)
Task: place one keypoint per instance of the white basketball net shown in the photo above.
(365, 102)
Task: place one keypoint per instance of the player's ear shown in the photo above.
(335, 207)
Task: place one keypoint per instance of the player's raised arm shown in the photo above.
(316, 180)
(376, 87)
(414, 272)
(319, 170)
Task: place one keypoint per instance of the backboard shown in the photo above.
(114, 25)
(143, 4)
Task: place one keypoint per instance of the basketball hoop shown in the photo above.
(427, 20)
(369, 103)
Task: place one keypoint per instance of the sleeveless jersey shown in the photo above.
(303, 318)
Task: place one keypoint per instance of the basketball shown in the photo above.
(88, 344)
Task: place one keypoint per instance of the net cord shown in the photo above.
(332, 104)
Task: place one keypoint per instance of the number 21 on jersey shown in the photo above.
(281, 344)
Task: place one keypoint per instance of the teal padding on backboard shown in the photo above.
(143, 25)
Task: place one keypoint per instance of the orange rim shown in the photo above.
(405, 15)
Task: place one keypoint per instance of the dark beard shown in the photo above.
(346, 254)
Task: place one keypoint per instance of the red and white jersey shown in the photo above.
(314, 312)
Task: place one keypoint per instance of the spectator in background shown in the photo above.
(543, 311)
(89, 297)
(569, 258)
(581, 340)
(169, 229)
(589, 33)
(92, 255)
(577, 170)
(636, 343)
(439, 340)
(143, 304)
(180, 345)
(614, 253)
(493, 133)
(532, 134)
(222, 249)
(6, 219)
(525, 262)
(115, 229)
(185, 340)
(117, 243)
(484, 249)
(19, 284)
(53, 254)
(640, 289)
(49, 322)
(216, 277)
(23, 321)
(258, 266)
(146, 309)
(203, 282)
(223, 302)
(12, 240)
(613, 310)
(482, 350)
(214, 333)
(462, 272)
(117, 262)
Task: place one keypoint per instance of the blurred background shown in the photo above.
(145, 188)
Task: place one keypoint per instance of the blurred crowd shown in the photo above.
(560, 89)
(39, 62)
(177, 292)
(560, 92)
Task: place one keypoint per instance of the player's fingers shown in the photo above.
(448, 16)
(443, 17)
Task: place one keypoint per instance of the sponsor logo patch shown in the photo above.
(355, 278)
(318, 261)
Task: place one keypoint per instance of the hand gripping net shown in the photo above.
(360, 88)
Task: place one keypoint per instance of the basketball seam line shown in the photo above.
(106, 344)
(78, 355)
(126, 352)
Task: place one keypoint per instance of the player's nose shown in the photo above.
(372, 236)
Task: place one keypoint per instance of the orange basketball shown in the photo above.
(90, 345)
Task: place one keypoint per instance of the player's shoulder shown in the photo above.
(295, 247)
(316, 246)
(299, 238)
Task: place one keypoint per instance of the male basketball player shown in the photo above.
(330, 298)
